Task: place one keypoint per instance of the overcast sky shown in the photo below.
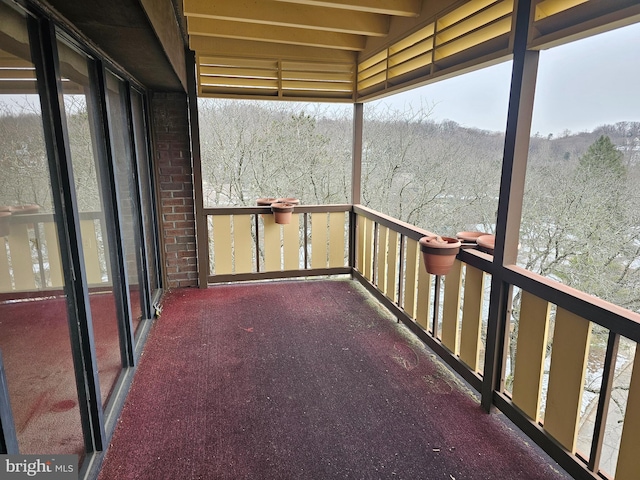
(580, 86)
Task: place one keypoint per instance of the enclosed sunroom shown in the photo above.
(147, 302)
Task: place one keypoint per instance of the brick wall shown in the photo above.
(169, 115)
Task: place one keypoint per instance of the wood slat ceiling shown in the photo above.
(359, 50)
(287, 49)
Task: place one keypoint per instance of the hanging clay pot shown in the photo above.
(5, 217)
(282, 212)
(439, 253)
(486, 243)
(266, 202)
(468, 239)
(25, 209)
(291, 200)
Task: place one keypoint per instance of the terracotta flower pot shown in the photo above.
(469, 237)
(25, 209)
(4, 223)
(439, 253)
(282, 212)
(292, 200)
(266, 202)
(486, 243)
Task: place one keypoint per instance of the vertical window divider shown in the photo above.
(155, 208)
(109, 184)
(141, 251)
(44, 55)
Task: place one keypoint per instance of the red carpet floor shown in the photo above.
(36, 348)
(303, 380)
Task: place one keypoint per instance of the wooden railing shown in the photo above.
(546, 395)
(245, 243)
(561, 380)
(30, 255)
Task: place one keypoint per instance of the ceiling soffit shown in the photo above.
(359, 50)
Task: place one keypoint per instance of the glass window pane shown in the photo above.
(126, 179)
(34, 326)
(144, 174)
(84, 145)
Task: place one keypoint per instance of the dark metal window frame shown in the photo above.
(44, 54)
(97, 421)
(148, 257)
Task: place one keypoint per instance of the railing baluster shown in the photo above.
(531, 350)
(336, 239)
(451, 307)
(571, 338)
(53, 255)
(272, 249)
(91, 252)
(21, 261)
(291, 243)
(319, 240)
(369, 248)
(242, 248)
(361, 243)
(471, 316)
(392, 265)
(222, 253)
(423, 291)
(381, 259)
(103, 239)
(411, 281)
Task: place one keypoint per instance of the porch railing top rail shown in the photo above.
(247, 210)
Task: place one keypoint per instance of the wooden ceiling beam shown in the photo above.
(226, 47)
(400, 8)
(269, 12)
(207, 27)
